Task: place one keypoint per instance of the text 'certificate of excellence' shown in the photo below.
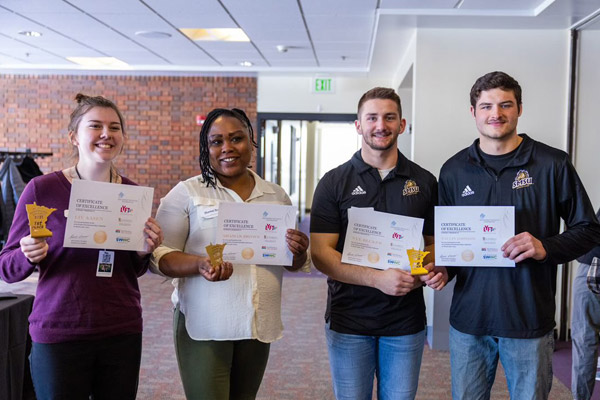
(107, 215)
(380, 240)
(472, 236)
(255, 233)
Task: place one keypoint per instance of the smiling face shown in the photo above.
(99, 137)
(379, 124)
(496, 114)
(230, 149)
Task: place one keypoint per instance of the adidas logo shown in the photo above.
(467, 191)
(358, 190)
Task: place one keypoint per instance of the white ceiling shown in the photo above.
(321, 35)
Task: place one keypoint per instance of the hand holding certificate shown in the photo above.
(107, 215)
(380, 240)
(473, 236)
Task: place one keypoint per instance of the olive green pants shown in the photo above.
(218, 370)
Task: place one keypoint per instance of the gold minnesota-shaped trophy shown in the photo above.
(415, 257)
(215, 253)
(38, 215)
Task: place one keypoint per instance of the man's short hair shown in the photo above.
(380, 93)
(495, 80)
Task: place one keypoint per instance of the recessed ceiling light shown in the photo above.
(217, 34)
(99, 62)
(246, 64)
(153, 34)
(30, 33)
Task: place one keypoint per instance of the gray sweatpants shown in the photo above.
(585, 327)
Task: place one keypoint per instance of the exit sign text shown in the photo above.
(323, 85)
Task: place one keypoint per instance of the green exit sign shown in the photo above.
(323, 85)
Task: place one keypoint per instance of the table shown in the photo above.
(14, 329)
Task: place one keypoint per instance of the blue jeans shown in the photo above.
(527, 364)
(355, 359)
(585, 327)
(106, 368)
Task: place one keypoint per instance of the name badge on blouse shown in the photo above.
(106, 261)
(210, 212)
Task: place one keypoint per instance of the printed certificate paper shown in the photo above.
(380, 240)
(473, 236)
(255, 233)
(107, 215)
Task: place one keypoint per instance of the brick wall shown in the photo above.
(160, 118)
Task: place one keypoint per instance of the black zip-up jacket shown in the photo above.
(589, 257)
(543, 186)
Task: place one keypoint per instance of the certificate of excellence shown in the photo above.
(471, 236)
(380, 240)
(107, 215)
(255, 233)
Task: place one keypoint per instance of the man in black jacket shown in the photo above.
(508, 313)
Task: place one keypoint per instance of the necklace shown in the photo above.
(79, 175)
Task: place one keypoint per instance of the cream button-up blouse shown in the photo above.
(247, 305)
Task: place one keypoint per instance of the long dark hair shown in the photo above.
(208, 174)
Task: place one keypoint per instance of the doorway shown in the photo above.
(295, 150)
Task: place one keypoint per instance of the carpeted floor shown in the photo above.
(298, 368)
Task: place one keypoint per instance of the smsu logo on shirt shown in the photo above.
(410, 188)
(522, 180)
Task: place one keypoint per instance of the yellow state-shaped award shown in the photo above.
(415, 257)
(38, 215)
(215, 253)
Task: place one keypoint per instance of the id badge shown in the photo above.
(106, 262)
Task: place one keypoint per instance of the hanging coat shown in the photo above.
(12, 187)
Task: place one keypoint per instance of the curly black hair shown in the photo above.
(208, 173)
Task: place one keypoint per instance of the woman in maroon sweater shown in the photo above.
(86, 329)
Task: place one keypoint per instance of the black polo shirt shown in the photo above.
(543, 186)
(407, 190)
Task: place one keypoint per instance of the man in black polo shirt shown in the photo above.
(375, 319)
(508, 313)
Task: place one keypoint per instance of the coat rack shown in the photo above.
(26, 153)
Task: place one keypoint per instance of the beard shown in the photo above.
(376, 145)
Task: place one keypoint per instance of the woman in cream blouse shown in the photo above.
(225, 317)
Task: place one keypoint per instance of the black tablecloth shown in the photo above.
(14, 329)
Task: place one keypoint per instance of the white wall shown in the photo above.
(448, 61)
(293, 94)
(587, 153)
(405, 139)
